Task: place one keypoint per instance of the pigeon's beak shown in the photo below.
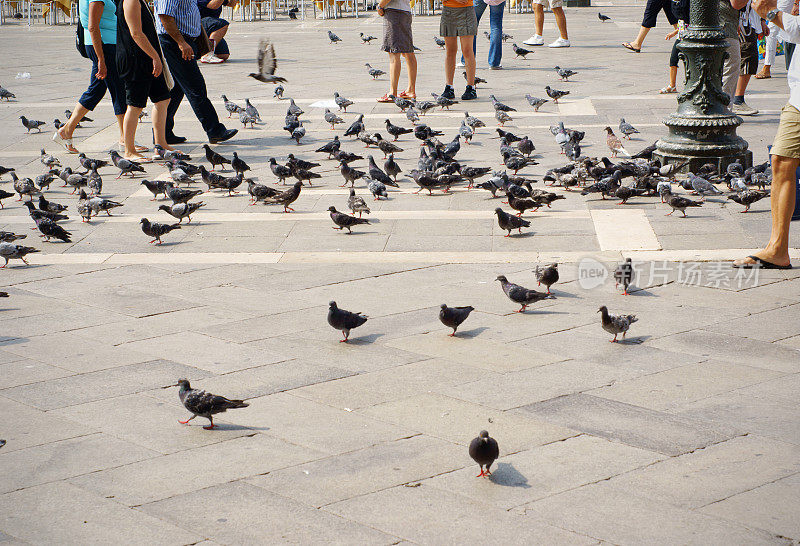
(170, 386)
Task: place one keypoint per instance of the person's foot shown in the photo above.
(743, 109)
(448, 92)
(498, 67)
(469, 93)
(764, 73)
(139, 158)
(668, 89)
(174, 139)
(460, 64)
(764, 261)
(138, 147)
(226, 134)
(534, 40)
(210, 58)
(561, 42)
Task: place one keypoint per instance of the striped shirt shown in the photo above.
(185, 13)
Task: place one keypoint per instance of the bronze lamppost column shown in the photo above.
(703, 129)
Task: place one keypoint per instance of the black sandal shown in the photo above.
(627, 45)
(761, 264)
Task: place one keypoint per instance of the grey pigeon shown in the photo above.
(4, 195)
(472, 121)
(626, 128)
(412, 115)
(333, 37)
(378, 189)
(285, 198)
(520, 51)
(564, 73)
(251, 110)
(345, 221)
(535, 102)
(180, 195)
(374, 72)
(603, 18)
(156, 230)
(680, 203)
(10, 237)
(281, 171)
(238, 165)
(452, 317)
(502, 117)
(356, 127)
(204, 404)
(331, 147)
(8, 95)
(31, 124)
(623, 275)
(499, 106)
(215, 158)
(156, 187)
(125, 166)
(555, 94)
(443, 102)
(341, 102)
(366, 39)
(344, 320)
(702, 186)
(396, 130)
(392, 169)
(278, 93)
(332, 118)
(748, 197)
(293, 109)
(616, 324)
(10, 251)
(484, 451)
(438, 41)
(521, 295)
(48, 161)
(231, 107)
(182, 210)
(266, 63)
(466, 131)
(246, 119)
(259, 192)
(547, 276)
(357, 204)
(298, 134)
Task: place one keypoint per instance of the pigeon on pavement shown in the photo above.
(681, 203)
(748, 197)
(564, 73)
(10, 251)
(156, 230)
(204, 404)
(614, 143)
(616, 324)
(214, 158)
(535, 102)
(357, 204)
(452, 317)
(345, 221)
(285, 198)
(182, 210)
(333, 37)
(555, 94)
(626, 128)
(603, 18)
(374, 72)
(521, 295)
(500, 106)
(344, 320)
(31, 124)
(623, 275)
(231, 107)
(484, 451)
(547, 276)
(520, 51)
(341, 102)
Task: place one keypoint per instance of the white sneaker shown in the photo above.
(561, 42)
(210, 58)
(459, 64)
(534, 40)
(743, 109)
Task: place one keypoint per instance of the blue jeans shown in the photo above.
(97, 88)
(495, 31)
(189, 81)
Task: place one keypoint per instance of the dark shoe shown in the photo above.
(227, 134)
(469, 93)
(173, 139)
(448, 92)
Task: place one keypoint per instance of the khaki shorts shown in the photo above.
(553, 3)
(458, 22)
(787, 140)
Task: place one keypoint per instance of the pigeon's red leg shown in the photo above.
(481, 474)
(211, 426)
(189, 419)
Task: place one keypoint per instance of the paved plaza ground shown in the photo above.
(689, 433)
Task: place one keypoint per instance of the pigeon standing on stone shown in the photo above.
(555, 94)
(366, 39)
(341, 102)
(614, 143)
(438, 41)
(356, 127)
(520, 51)
(238, 165)
(357, 204)
(285, 198)
(4, 195)
(333, 37)
(535, 102)
(565, 74)
(48, 161)
(748, 197)
(681, 203)
(472, 121)
(521, 295)
(8, 95)
(702, 186)
(452, 317)
(214, 158)
(344, 320)
(502, 117)
(332, 118)
(204, 404)
(547, 276)
(374, 72)
(156, 230)
(345, 221)
(125, 166)
(251, 110)
(500, 106)
(10, 251)
(377, 189)
(616, 324)
(484, 451)
(623, 275)
(626, 128)
(31, 124)
(603, 18)
(231, 107)
(182, 210)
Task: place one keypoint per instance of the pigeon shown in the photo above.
(156, 187)
(366, 39)
(345, 221)
(10, 251)
(502, 117)
(535, 102)
(396, 130)
(331, 147)
(423, 132)
(231, 107)
(510, 137)
(616, 324)
(386, 147)
(24, 186)
(472, 121)
(443, 102)
(484, 451)
(246, 119)
(293, 109)
(702, 186)
(333, 37)
(10, 237)
(507, 222)
(50, 229)
(614, 143)
(519, 51)
(564, 73)
(377, 189)
(8, 95)
(31, 124)
(466, 131)
(452, 317)
(204, 404)
(344, 320)
(293, 13)
(155, 230)
(182, 210)
(526, 146)
(626, 128)
(506, 37)
(680, 203)
(748, 197)
(357, 204)
(401, 102)
(547, 276)
(499, 106)
(603, 18)
(374, 72)
(179, 195)
(471, 173)
(521, 295)
(555, 94)
(5, 170)
(670, 169)
(43, 181)
(424, 106)
(478, 79)
(391, 168)
(125, 166)
(331, 118)
(346, 157)
(521, 204)
(39, 214)
(251, 110)
(48, 161)
(4, 195)
(341, 102)
(163, 153)
(278, 93)
(214, 158)
(412, 115)
(356, 127)
(623, 193)
(258, 192)
(285, 198)
(623, 275)
(239, 166)
(438, 41)
(68, 113)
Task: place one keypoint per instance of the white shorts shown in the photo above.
(553, 3)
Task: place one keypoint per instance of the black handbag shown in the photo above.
(80, 43)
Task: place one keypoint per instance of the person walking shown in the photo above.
(398, 42)
(459, 25)
(785, 152)
(651, 10)
(496, 9)
(178, 27)
(750, 24)
(216, 27)
(771, 40)
(538, 21)
(141, 68)
(673, 61)
(99, 21)
(731, 67)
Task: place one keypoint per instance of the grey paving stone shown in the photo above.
(632, 425)
(22, 371)
(66, 458)
(194, 469)
(767, 326)
(32, 427)
(69, 515)
(240, 519)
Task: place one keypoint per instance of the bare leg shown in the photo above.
(129, 125)
(637, 43)
(411, 68)
(68, 128)
(451, 49)
(673, 76)
(561, 22)
(469, 57)
(121, 123)
(741, 85)
(782, 202)
(394, 72)
(538, 18)
(160, 123)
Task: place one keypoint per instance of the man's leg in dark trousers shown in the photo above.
(190, 82)
(175, 98)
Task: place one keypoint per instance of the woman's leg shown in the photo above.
(394, 72)
(496, 34)
(129, 125)
(637, 43)
(160, 123)
(673, 76)
(469, 57)
(451, 49)
(411, 68)
(480, 7)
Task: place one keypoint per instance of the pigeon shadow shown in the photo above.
(231, 426)
(170, 243)
(522, 235)
(641, 292)
(509, 476)
(475, 332)
(364, 340)
(562, 294)
(638, 340)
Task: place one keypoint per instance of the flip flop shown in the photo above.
(65, 142)
(761, 264)
(762, 76)
(385, 98)
(407, 96)
(627, 45)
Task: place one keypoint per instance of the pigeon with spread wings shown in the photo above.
(266, 64)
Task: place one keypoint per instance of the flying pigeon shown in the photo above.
(452, 317)
(204, 404)
(344, 320)
(484, 451)
(521, 295)
(616, 324)
(623, 275)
